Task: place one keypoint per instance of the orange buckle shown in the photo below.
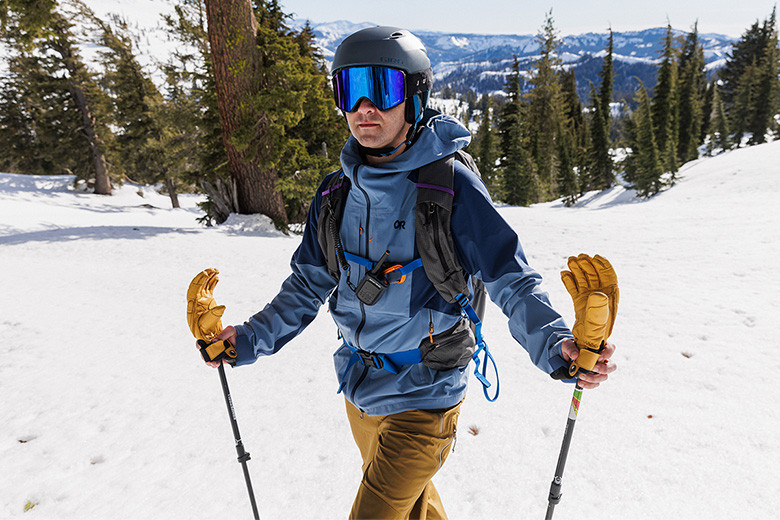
(395, 268)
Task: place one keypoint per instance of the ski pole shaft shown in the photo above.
(243, 456)
(555, 487)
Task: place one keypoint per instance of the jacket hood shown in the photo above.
(440, 136)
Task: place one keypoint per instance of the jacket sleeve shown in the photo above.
(489, 249)
(298, 301)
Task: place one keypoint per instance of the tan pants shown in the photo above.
(401, 453)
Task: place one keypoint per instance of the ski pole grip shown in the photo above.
(586, 360)
(218, 351)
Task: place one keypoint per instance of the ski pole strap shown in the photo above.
(217, 351)
(482, 347)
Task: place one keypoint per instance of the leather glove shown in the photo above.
(592, 284)
(203, 313)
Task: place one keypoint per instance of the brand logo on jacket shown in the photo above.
(399, 224)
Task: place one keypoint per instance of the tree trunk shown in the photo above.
(77, 72)
(171, 187)
(102, 183)
(232, 30)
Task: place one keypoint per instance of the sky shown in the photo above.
(731, 18)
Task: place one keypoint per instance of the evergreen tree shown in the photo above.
(137, 107)
(486, 147)
(643, 166)
(606, 75)
(59, 95)
(664, 105)
(600, 170)
(519, 184)
(574, 129)
(707, 103)
(740, 110)
(719, 130)
(238, 72)
(545, 108)
(599, 174)
(568, 188)
(765, 101)
(690, 99)
(268, 82)
(744, 54)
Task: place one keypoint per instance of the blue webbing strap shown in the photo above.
(465, 304)
(392, 276)
(389, 362)
(392, 361)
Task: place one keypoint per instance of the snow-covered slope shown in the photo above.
(108, 413)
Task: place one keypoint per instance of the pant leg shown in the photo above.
(401, 453)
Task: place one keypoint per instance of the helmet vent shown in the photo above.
(396, 35)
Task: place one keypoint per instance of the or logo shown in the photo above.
(399, 224)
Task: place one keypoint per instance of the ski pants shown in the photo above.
(401, 453)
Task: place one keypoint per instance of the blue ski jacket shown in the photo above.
(379, 216)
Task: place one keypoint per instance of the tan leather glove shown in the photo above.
(204, 316)
(592, 284)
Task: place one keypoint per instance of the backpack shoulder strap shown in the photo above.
(435, 193)
(333, 199)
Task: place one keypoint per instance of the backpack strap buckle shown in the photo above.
(371, 359)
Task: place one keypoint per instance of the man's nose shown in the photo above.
(365, 105)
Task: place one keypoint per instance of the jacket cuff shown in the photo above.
(560, 367)
(245, 352)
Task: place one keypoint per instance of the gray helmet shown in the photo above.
(384, 46)
(391, 47)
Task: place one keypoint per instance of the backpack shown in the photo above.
(433, 237)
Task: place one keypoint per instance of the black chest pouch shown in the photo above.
(373, 285)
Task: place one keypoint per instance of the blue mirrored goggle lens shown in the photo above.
(383, 86)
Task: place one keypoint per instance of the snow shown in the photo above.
(108, 412)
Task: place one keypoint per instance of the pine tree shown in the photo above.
(574, 130)
(238, 68)
(600, 171)
(664, 105)
(765, 101)
(718, 131)
(544, 111)
(568, 188)
(520, 185)
(740, 110)
(643, 166)
(744, 53)
(195, 148)
(486, 147)
(51, 73)
(606, 75)
(690, 99)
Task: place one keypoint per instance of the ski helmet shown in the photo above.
(391, 48)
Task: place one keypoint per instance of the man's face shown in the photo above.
(374, 128)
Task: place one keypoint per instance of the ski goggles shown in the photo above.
(383, 86)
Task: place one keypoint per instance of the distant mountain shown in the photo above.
(481, 61)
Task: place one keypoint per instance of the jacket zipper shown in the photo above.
(366, 231)
(362, 305)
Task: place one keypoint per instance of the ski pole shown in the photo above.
(243, 456)
(555, 486)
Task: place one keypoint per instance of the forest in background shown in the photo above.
(245, 111)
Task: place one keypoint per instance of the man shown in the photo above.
(403, 418)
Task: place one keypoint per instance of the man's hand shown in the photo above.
(229, 334)
(601, 369)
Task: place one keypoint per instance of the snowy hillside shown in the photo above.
(108, 413)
